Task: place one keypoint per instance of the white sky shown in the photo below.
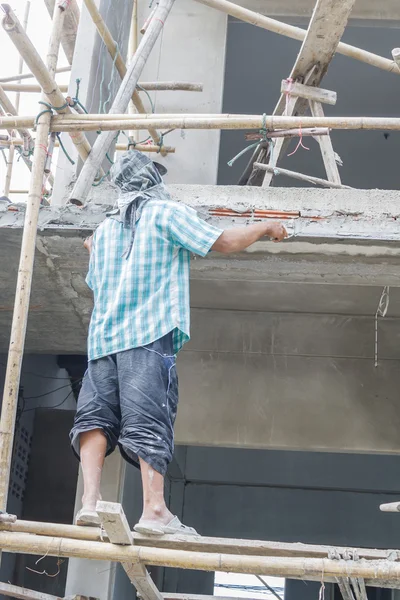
(39, 32)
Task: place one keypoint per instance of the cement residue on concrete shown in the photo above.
(347, 214)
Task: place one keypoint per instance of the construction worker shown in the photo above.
(139, 274)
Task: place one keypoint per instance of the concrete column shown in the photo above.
(191, 48)
(93, 577)
(92, 64)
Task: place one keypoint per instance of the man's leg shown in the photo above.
(93, 446)
(154, 507)
(148, 386)
(96, 430)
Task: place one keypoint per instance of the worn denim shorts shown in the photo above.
(132, 397)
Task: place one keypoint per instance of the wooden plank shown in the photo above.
(325, 30)
(116, 526)
(310, 93)
(114, 521)
(296, 33)
(70, 28)
(325, 144)
(142, 581)
(301, 176)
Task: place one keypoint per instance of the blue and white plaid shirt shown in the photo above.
(142, 296)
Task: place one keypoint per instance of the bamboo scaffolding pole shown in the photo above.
(30, 75)
(132, 47)
(146, 148)
(296, 33)
(28, 88)
(11, 151)
(70, 28)
(50, 88)
(24, 280)
(121, 101)
(7, 141)
(160, 86)
(25, 159)
(9, 108)
(21, 593)
(201, 543)
(119, 122)
(384, 573)
(301, 176)
(28, 143)
(112, 48)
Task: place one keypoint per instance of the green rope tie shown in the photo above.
(153, 109)
(265, 139)
(64, 149)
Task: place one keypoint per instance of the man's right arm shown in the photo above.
(237, 239)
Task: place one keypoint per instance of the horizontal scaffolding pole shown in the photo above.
(301, 176)
(148, 86)
(6, 143)
(296, 33)
(382, 571)
(117, 122)
(200, 543)
(30, 75)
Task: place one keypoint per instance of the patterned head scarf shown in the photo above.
(139, 180)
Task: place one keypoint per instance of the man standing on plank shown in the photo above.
(139, 274)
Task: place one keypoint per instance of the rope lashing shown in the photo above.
(265, 139)
(160, 143)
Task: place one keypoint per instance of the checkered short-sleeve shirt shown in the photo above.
(142, 296)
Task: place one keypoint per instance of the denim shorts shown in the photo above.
(132, 397)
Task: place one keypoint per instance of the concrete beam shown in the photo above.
(294, 277)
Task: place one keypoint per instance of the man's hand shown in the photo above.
(276, 231)
(88, 243)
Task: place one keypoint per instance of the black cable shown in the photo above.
(38, 374)
(56, 390)
(55, 406)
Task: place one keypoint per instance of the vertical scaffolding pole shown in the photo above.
(24, 280)
(11, 151)
(133, 44)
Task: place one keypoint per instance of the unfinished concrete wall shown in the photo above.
(369, 157)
